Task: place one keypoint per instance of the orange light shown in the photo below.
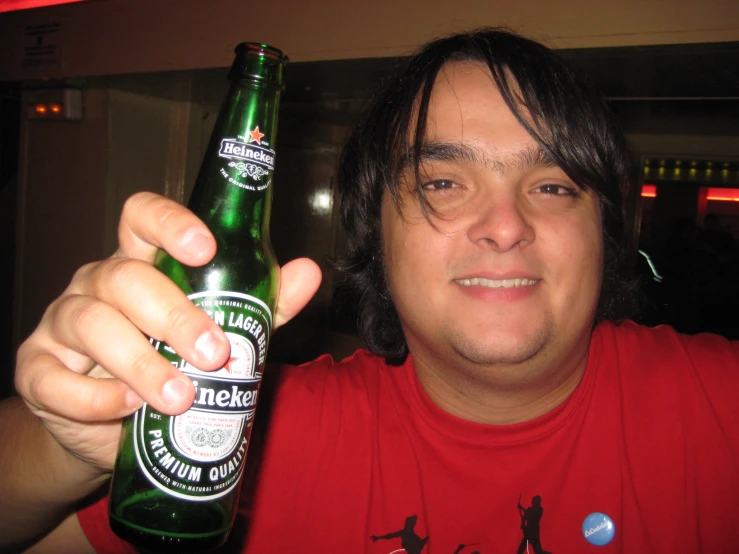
(56, 108)
(649, 191)
(41, 108)
(723, 195)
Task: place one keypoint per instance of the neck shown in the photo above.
(503, 394)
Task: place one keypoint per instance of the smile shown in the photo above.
(496, 283)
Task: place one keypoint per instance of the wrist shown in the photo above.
(52, 473)
(41, 481)
(73, 476)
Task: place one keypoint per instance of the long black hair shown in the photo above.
(568, 119)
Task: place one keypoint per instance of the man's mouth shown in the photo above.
(496, 283)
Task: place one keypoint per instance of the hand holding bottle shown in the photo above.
(89, 363)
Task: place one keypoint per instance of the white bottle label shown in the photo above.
(200, 454)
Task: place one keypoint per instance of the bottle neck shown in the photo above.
(233, 190)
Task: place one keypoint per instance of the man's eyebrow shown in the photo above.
(531, 157)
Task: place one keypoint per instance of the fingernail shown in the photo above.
(133, 400)
(195, 242)
(174, 390)
(207, 345)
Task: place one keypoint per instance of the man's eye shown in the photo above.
(557, 190)
(439, 184)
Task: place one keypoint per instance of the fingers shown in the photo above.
(150, 222)
(54, 389)
(101, 332)
(299, 281)
(116, 300)
(156, 306)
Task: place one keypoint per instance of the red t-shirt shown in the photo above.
(356, 450)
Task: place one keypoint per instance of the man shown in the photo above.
(530, 525)
(482, 200)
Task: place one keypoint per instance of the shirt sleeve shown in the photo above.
(715, 362)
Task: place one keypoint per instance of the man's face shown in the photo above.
(512, 271)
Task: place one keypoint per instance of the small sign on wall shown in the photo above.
(42, 46)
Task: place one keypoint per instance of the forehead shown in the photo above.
(465, 77)
(465, 104)
(468, 120)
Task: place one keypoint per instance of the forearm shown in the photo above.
(40, 481)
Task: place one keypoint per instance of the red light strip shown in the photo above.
(723, 195)
(13, 5)
(714, 194)
(649, 191)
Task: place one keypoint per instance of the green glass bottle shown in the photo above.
(177, 479)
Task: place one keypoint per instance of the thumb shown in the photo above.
(150, 222)
(299, 281)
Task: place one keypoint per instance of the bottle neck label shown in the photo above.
(250, 161)
(199, 455)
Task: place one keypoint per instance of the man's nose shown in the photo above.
(501, 223)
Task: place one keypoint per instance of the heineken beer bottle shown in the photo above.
(176, 481)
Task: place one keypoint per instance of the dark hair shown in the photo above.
(568, 119)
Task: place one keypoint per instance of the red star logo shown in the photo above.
(255, 135)
(231, 360)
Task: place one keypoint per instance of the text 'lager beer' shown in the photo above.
(176, 481)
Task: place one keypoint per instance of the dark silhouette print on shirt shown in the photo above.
(463, 546)
(530, 520)
(412, 543)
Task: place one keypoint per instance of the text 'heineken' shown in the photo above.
(176, 481)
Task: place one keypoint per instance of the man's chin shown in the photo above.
(503, 348)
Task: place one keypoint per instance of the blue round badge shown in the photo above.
(598, 529)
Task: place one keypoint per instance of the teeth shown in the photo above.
(496, 283)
